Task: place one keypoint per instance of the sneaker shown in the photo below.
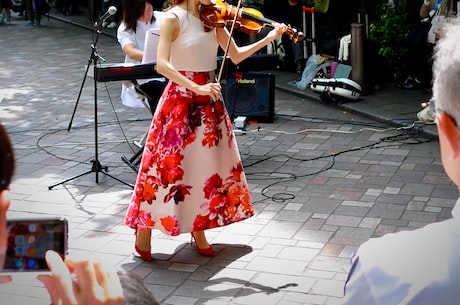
(408, 83)
(426, 116)
(29, 23)
(104, 24)
(37, 23)
(111, 25)
(419, 81)
(411, 83)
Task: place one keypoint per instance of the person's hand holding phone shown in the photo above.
(91, 283)
(30, 238)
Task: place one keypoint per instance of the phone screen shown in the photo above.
(29, 239)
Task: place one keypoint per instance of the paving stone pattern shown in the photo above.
(323, 180)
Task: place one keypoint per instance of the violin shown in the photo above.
(248, 20)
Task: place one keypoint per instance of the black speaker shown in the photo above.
(256, 62)
(251, 94)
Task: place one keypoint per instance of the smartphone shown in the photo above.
(29, 239)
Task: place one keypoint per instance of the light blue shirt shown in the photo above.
(411, 267)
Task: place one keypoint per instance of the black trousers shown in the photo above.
(153, 91)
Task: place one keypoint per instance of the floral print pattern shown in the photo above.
(191, 177)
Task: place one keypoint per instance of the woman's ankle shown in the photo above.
(143, 239)
(200, 239)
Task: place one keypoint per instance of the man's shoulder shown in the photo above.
(424, 259)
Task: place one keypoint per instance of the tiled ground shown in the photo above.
(323, 180)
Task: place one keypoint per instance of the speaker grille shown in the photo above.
(243, 97)
(250, 94)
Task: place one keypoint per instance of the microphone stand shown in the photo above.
(96, 165)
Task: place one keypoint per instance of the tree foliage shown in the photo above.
(391, 24)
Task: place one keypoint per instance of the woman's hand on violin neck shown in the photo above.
(211, 89)
(278, 30)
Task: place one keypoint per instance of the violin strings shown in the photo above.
(228, 42)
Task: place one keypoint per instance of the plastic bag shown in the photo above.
(309, 72)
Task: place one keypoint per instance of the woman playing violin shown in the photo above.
(191, 176)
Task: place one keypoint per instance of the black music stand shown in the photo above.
(96, 167)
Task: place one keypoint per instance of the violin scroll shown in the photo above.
(294, 34)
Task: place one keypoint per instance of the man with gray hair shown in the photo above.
(420, 266)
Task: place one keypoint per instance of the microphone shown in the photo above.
(110, 12)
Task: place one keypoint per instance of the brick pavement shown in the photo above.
(317, 195)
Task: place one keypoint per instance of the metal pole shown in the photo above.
(358, 40)
(313, 30)
(304, 29)
(313, 33)
(92, 10)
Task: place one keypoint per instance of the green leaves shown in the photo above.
(390, 26)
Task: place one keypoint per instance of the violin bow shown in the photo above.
(232, 28)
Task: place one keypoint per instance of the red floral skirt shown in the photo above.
(191, 177)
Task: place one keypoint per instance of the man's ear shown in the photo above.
(449, 133)
(4, 201)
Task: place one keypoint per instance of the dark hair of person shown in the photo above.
(134, 290)
(6, 159)
(132, 11)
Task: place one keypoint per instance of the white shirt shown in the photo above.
(194, 49)
(129, 96)
(410, 267)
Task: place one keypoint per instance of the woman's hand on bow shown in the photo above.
(211, 89)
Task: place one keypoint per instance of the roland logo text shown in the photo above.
(246, 81)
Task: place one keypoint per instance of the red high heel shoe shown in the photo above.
(145, 255)
(202, 251)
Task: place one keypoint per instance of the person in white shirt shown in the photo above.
(420, 266)
(138, 17)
